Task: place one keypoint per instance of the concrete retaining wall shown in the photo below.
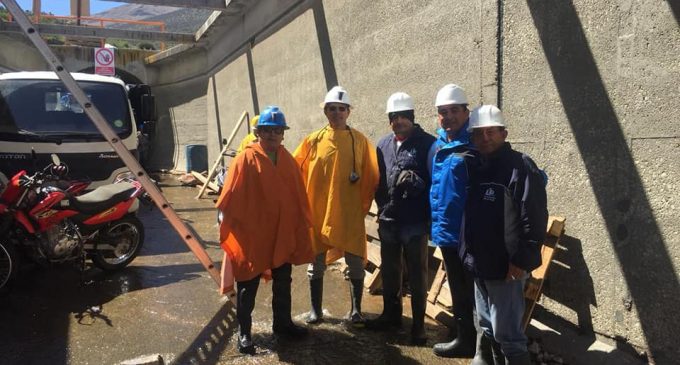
(587, 88)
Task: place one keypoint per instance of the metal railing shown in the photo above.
(78, 20)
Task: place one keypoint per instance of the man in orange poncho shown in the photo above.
(266, 225)
(340, 169)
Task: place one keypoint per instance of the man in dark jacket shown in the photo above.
(505, 222)
(404, 211)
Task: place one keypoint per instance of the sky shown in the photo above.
(62, 7)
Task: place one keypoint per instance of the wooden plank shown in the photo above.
(439, 314)
(444, 297)
(213, 169)
(436, 287)
(203, 180)
(373, 281)
(534, 286)
(556, 226)
(438, 254)
(371, 228)
(373, 253)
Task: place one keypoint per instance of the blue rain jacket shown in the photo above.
(449, 186)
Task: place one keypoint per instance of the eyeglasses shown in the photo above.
(269, 130)
(336, 108)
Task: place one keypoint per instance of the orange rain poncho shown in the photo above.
(338, 206)
(266, 219)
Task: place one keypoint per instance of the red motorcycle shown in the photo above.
(48, 223)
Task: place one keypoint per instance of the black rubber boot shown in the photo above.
(523, 359)
(483, 355)
(316, 293)
(245, 302)
(387, 321)
(462, 346)
(391, 273)
(416, 261)
(356, 291)
(283, 323)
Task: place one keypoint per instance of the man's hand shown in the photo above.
(514, 273)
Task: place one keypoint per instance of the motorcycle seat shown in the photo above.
(102, 198)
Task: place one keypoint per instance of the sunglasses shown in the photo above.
(270, 130)
(336, 108)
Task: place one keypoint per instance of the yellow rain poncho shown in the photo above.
(338, 206)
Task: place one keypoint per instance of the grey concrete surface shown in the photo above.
(165, 304)
(589, 89)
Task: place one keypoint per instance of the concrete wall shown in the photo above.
(377, 49)
(182, 120)
(587, 88)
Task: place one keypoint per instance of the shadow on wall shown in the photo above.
(630, 221)
(570, 283)
(675, 7)
(166, 145)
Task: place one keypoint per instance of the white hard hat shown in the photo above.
(451, 94)
(337, 94)
(486, 116)
(399, 102)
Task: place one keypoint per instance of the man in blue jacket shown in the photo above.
(505, 221)
(403, 215)
(452, 155)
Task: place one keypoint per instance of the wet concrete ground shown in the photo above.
(165, 303)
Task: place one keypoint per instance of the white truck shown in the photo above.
(39, 117)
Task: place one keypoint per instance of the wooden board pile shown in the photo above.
(439, 298)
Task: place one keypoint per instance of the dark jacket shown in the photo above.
(402, 194)
(506, 215)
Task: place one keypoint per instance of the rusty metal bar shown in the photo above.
(93, 113)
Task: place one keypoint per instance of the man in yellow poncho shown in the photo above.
(340, 169)
(251, 137)
(266, 225)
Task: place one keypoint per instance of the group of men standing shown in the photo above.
(482, 203)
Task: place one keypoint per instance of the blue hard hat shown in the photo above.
(272, 116)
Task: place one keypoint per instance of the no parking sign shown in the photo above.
(104, 62)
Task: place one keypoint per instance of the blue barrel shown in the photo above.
(197, 157)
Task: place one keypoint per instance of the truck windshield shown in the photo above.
(46, 108)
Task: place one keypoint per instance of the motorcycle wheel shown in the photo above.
(8, 265)
(126, 237)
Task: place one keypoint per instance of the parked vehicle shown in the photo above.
(38, 113)
(48, 224)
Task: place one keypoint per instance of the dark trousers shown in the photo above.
(461, 283)
(397, 242)
(247, 290)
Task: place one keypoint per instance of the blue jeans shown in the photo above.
(500, 307)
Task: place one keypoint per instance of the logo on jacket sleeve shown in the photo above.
(490, 195)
